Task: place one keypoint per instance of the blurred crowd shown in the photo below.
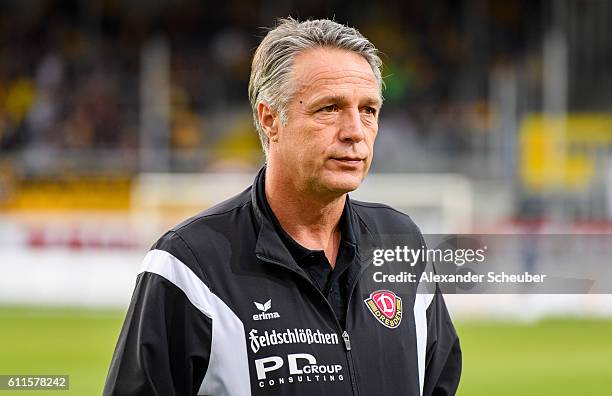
(70, 71)
(63, 82)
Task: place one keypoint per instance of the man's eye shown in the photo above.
(369, 110)
(330, 108)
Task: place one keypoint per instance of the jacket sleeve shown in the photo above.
(443, 356)
(164, 344)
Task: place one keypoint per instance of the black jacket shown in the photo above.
(221, 308)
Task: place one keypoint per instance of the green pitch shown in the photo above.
(551, 357)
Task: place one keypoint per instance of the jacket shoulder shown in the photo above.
(193, 240)
(223, 218)
(224, 208)
(384, 219)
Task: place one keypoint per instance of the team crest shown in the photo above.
(386, 307)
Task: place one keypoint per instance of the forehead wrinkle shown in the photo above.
(324, 97)
(319, 58)
(315, 72)
(335, 87)
(314, 75)
(324, 76)
(362, 92)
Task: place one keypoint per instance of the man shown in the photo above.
(271, 291)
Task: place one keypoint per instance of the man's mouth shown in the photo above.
(348, 160)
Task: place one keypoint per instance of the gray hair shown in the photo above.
(272, 64)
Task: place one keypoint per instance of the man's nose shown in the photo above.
(351, 127)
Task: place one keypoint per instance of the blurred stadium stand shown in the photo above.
(504, 106)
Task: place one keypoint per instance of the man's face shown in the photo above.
(332, 120)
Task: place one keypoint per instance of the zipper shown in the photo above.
(347, 338)
(347, 346)
(345, 335)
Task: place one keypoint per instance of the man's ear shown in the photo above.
(269, 120)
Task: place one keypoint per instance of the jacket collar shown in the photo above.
(271, 247)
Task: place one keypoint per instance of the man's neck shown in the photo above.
(311, 221)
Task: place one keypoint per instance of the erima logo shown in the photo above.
(264, 315)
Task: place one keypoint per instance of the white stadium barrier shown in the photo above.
(94, 261)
